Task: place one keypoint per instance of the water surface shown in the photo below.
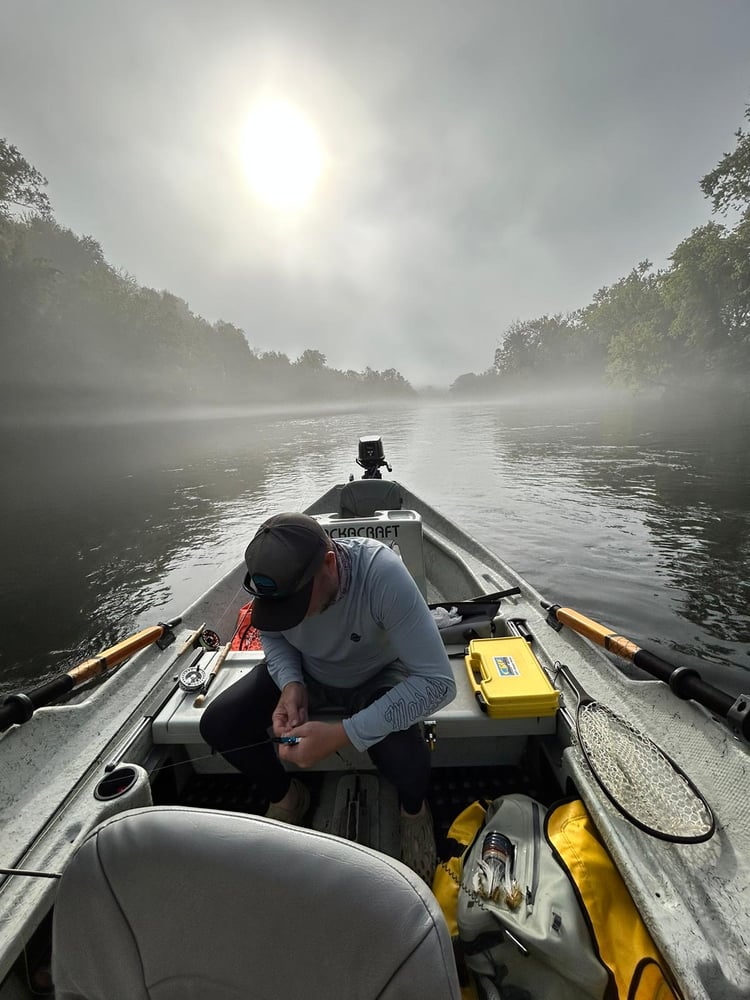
(634, 513)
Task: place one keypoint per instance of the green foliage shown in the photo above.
(631, 319)
(708, 287)
(483, 386)
(77, 331)
(21, 184)
(551, 346)
(688, 324)
(311, 360)
(728, 184)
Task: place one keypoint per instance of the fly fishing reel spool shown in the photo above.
(209, 640)
(193, 678)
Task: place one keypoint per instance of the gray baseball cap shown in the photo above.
(282, 560)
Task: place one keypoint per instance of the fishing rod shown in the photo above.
(685, 682)
(218, 660)
(19, 708)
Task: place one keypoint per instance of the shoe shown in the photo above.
(294, 813)
(418, 844)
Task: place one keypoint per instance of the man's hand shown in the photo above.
(291, 709)
(317, 740)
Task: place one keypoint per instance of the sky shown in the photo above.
(477, 162)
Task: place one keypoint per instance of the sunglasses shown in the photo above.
(263, 586)
(260, 585)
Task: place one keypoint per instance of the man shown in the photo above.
(343, 623)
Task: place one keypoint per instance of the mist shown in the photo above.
(477, 173)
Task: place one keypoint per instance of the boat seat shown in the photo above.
(362, 497)
(172, 903)
(401, 530)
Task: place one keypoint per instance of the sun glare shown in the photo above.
(282, 155)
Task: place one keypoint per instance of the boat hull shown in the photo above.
(693, 897)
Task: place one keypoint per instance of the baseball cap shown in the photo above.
(282, 560)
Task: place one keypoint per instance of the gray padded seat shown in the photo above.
(362, 497)
(171, 903)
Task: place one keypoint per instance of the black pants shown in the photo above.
(241, 716)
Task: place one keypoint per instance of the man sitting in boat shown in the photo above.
(344, 624)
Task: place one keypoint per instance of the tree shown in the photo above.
(21, 184)
(728, 184)
(485, 385)
(275, 360)
(549, 345)
(708, 287)
(633, 320)
(312, 361)
(66, 252)
(518, 349)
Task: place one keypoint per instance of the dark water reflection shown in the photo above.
(648, 513)
(638, 514)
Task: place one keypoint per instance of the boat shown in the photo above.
(117, 741)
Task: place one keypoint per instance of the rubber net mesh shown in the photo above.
(640, 777)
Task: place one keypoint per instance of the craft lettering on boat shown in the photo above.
(598, 819)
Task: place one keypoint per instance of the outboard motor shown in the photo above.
(372, 457)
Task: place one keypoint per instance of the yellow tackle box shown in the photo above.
(508, 680)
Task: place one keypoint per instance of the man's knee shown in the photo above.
(405, 748)
(211, 724)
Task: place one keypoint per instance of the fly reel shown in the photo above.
(193, 678)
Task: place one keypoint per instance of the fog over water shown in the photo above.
(478, 166)
(632, 511)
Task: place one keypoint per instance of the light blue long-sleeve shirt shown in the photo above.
(378, 617)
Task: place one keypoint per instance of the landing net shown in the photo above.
(640, 779)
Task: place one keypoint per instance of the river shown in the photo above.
(634, 512)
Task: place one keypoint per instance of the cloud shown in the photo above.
(484, 163)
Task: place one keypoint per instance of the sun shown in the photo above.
(282, 155)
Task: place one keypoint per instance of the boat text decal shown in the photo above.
(364, 531)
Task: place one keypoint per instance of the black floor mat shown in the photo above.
(228, 792)
(452, 789)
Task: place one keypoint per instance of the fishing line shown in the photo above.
(247, 746)
(166, 767)
(209, 756)
(268, 741)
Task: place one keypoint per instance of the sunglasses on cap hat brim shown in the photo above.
(276, 613)
(264, 586)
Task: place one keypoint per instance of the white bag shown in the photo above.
(533, 942)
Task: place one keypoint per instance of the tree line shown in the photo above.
(78, 331)
(75, 327)
(687, 325)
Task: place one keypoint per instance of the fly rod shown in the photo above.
(19, 708)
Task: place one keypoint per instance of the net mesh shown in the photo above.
(640, 778)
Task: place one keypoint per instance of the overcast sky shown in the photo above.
(482, 161)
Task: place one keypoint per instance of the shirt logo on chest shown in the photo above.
(354, 637)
